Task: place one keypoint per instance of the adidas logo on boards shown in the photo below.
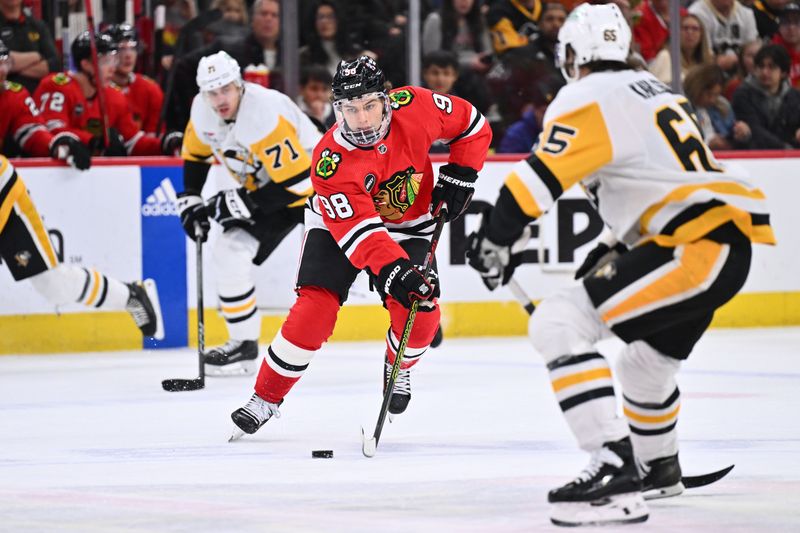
(162, 201)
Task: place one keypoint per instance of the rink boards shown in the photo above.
(121, 219)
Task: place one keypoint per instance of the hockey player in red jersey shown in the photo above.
(22, 130)
(143, 94)
(68, 103)
(375, 195)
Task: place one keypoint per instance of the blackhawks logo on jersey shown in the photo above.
(12, 86)
(328, 163)
(61, 78)
(396, 194)
(401, 98)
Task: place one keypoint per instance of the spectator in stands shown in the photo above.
(233, 23)
(144, 96)
(766, 13)
(513, 23)
(729, 25)
(718, 124)
(441, 72)
(178, 13)
(767, 103)
(652, 29)
(694, 50)
(315, 96)
(788, 36)
(327, 36)
(520, 136)
(259, 46)
(68, 104)
(33, 51)
(544, 46)
(458, 26)
(745, 68)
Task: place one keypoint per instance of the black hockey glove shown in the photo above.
(115, 147)
(171, 143)
(495, 262)
(69, 148)
(454, 189)
(404, 283)
(232, 208)
(193, 213)
(599, 257)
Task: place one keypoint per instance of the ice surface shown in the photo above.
(91, 443)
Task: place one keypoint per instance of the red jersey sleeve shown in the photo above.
(57, 96)
(26, 126)
(155, 99)
(458, 123)
(348, 210)
(121, 118)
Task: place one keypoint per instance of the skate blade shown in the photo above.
(368, 444)
(152, 293)
(241, 368)
(619, 509)
(236, 435)
(664, 492)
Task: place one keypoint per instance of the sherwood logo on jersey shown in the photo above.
(161, 202)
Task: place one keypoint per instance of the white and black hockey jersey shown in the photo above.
(268, 145)
(636, 149)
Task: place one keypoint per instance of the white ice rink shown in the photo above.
(91, 443)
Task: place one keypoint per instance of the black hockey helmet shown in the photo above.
(122, 32)
(356, 78)
(81, 47)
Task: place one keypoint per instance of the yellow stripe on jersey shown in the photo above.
(239, 308)
(651, 419)
(27, 210)
(575, 144)
(505, 36)
(282, 153)
(193, 148)
(581, 377)
(95, 287)
(692, 269)
(522, 195)
(710, 220)
(6, 172)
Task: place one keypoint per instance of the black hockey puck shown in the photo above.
(323, 454)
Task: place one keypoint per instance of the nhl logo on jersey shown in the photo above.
(401, 98)
(382, 149)
(23, 258)
(328, 163)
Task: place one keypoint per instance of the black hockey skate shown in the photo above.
(661, 478)
(252, 416)
(144, 307)
(234, 358)
(401, 394)
(437, 338)
(608, 491)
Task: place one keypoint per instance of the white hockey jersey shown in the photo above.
(269, 143)
(636, 149)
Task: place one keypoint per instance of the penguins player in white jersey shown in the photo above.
(264, 141)
(678, 246)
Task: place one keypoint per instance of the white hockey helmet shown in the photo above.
(593, 33)
(218, 70)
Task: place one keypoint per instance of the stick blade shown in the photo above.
(368, 444)
(182, 385)
(691, 482)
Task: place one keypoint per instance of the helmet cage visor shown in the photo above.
(364, 120)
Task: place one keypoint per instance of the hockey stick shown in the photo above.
(689, 482)
(370, 445)
(98, 83)
(177, 384)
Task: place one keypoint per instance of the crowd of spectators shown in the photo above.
(739, 59)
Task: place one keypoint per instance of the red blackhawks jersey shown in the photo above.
(20, 122)
(144, 100)
(64, 107)
(371, 198)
